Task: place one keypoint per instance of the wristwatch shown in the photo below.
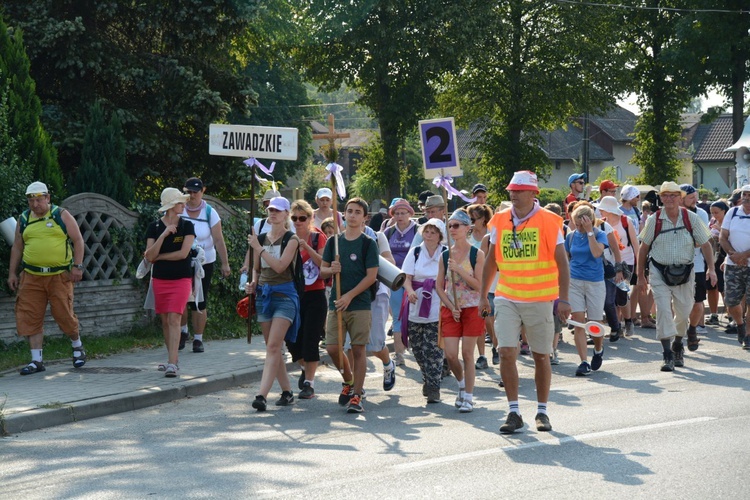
(79, 266)
(590, 233)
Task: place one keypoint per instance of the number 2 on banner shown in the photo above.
(439, 151)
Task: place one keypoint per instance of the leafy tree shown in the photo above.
(391, 52)
(15, 174)
(534, 65)
(102, 167)
(32, 144)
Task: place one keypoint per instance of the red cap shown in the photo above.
(607, 185)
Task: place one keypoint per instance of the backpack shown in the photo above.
(298, 275)
(207, 220)
(418, 250)
(685, 220)
(56, 215)
(472, 258)
(624, 222)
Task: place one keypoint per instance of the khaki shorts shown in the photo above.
(535, 316)
(34, 292)
(357, 323)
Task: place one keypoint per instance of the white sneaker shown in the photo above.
(459, 399)
(467, 406)
(553, 358)
(701, 330)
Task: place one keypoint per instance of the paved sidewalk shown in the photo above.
(123, 382)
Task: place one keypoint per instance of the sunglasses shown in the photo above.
(37, 195)
(579, 182)
(301, 218)
(454, 226)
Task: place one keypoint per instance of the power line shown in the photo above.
(644, 7)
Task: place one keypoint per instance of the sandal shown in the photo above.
(648, 325)
(33, 367)
(162, 367)
(80, 360)
(172, 371)
(693, 341)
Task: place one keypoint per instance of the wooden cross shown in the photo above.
(331, 136)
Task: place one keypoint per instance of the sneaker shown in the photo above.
(301, 381)
(495, 356)
(678, 351)
(615, 335)
(713, 320)
(172, 371)
(501, 384)
(746, 342)
(583, 370)
(512, 423)
(389, 376)
(481, 363)
(346, 394)
(731, 329)
(668, 365)
(259, 403)
(198, 346)
(596, 361)
(459, 399)
(701, 330)
(487, 338)
(399, 359)
(355, 405)
(80, 360)
(286, 399)
(525, 349)
(183, 340)
(33, 367)
(467, 406)
(307, 392)
(432, 394)
(629, 329)
(589, 341)
(542, 422)
(553, 359)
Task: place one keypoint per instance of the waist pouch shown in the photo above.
(674, 274)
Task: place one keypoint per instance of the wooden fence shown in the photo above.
(110, 298)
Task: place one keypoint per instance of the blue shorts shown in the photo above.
(281, 306)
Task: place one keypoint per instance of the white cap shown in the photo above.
(629, 192)
(324, 193)
(37, 188)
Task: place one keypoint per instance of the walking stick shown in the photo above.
(337, 278)
(251, 317)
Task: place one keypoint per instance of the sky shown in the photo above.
(712, 99)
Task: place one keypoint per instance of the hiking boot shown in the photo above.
(629, 329)
(307, 392)
(713, 320)
(481, 363)
(198, 346)
(596, 361)
(542, 422)
(80, 359)
(678, 351)
(512, 423)
(553, 359)
(389, 376)
(583, 370)
(346, 394)
(668, 365)
(183, 340)
(615, 335)
(33, 367)
(259, 403)
(746, 342)
(525, 349)
(495, 356)
(355, 405)
(286, 399)
(433, 394)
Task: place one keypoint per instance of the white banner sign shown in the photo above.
(271, 143)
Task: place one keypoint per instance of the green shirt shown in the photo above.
(354, 268)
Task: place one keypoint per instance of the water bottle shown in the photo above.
(623, 286)
(243, 281)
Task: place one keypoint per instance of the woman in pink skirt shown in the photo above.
(168, 243)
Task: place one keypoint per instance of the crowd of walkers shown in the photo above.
(510, 278)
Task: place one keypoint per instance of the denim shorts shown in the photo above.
(280, 307)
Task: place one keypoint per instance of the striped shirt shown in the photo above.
(674, 244)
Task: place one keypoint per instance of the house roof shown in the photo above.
(566, 144)
(711, 139)
(465, 139)
(618, 123)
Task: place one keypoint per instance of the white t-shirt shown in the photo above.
(383, 246)
(425, 267)
(700, 262)
(203, 225)
(739, 231)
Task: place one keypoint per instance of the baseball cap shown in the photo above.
(193, 184)
(36, 188)
(575, 177)
(324, 193)
(607, 184)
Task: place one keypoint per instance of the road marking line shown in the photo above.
(549, 442)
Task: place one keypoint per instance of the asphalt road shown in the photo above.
(628, 430)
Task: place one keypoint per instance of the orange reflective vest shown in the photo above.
(525, 256)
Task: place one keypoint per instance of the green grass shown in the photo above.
(140, 337)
